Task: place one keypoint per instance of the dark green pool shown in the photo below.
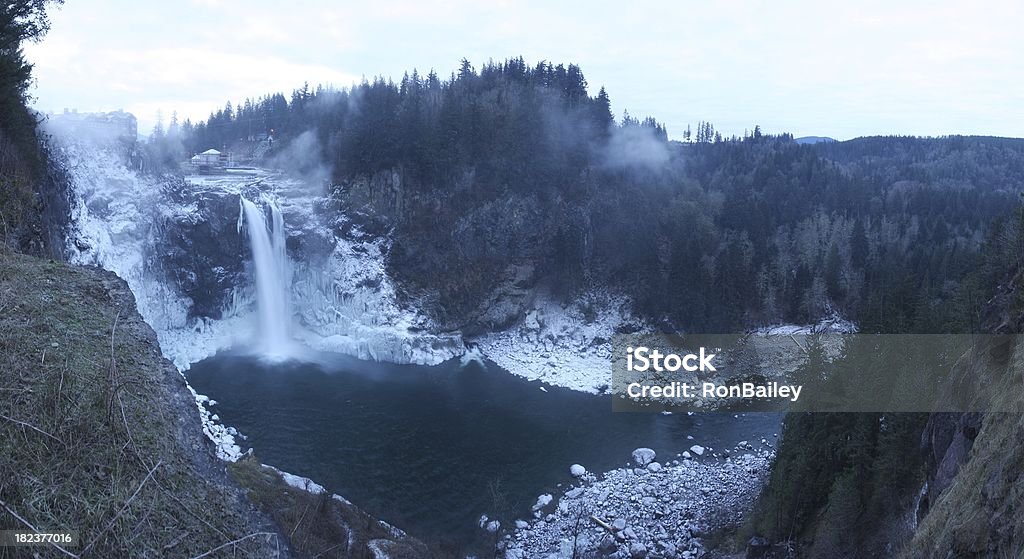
(430, 449)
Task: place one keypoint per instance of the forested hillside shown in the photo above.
(520, 165)
(33, 198)
(858, 485)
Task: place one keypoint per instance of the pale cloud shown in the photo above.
(168, 68)
(189, 80)
(810, 67)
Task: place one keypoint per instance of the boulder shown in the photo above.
(644, 456)
(758, 547)
(542, 501)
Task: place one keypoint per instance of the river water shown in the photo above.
(430, 449)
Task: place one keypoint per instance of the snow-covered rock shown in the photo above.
(831, 323)
(564, 345)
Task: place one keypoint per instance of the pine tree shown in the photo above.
(858, 245)
(833, 273)
(602, 110)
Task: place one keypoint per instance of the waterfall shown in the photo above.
(163, 237)
(271, 266)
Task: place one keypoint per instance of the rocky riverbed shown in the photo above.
(651, 509)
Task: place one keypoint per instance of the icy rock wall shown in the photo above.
(177, 245)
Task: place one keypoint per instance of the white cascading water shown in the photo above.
(270, 260)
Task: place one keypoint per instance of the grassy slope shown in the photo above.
(982, 513)
(99, 433)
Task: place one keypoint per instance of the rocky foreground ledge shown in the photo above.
(100, 434)
(652, 510)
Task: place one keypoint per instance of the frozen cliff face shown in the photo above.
(179, 246)
(346, 301)
(120, 222)
(115, 223)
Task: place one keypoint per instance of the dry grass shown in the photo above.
(97, 432)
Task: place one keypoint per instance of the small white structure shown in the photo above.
(209, 160)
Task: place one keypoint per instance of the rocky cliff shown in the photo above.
(971, 503)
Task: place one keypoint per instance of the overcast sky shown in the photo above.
(840, 69)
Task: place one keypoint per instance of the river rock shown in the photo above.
(667, 512)
(697, 449)
(643, 456)
(542, 501)
(577, 470)
(758, 547)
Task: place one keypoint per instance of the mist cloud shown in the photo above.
(634, 146)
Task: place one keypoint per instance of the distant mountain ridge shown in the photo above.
(814, 140)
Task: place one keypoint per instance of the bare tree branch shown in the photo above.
(233, 542)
